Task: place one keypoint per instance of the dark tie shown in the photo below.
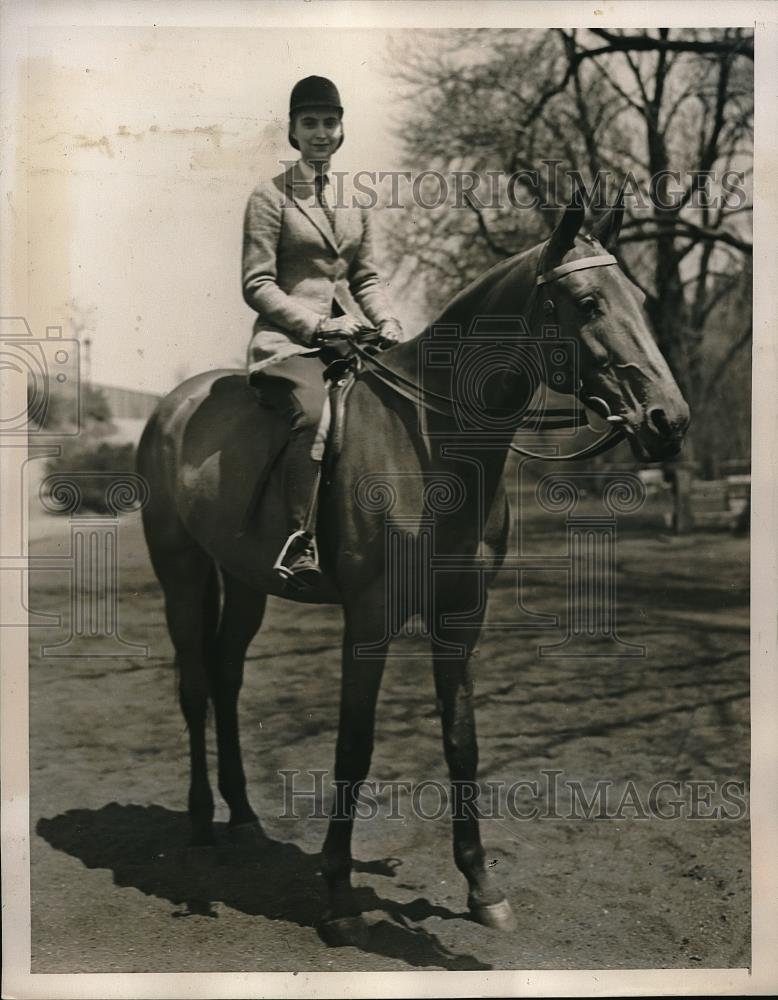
(319, 181)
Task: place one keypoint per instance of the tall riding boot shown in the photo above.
(298, 561)
(295, 389)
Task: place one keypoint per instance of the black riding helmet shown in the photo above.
(313, 92)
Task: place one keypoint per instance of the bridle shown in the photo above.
(564, 418)
(616, 430)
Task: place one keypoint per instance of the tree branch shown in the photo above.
(645, 43)
(619, 90)
(721, 368)
(681, 228)
(493, 245)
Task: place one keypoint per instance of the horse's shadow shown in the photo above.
(264, 877)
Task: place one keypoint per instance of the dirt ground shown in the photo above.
(115, 889)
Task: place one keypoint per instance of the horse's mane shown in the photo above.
(481, 286)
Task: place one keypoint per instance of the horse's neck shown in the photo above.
(504, 291)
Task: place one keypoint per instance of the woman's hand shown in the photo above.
(338, 326)
(391, 330)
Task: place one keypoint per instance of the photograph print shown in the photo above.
(385, 471)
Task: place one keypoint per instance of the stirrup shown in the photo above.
(284, 571)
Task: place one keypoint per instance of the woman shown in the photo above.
(308, 271)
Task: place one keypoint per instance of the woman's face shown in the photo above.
(318, 132)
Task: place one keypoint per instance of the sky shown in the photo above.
(141, 148)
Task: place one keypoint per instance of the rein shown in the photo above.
(406, 387)
(566, 418)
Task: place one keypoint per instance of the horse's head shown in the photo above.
(623, 375)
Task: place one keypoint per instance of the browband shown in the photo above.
(601, 260)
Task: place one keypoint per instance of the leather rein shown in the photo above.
(563, 418)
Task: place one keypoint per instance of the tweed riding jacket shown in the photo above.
(297, 270)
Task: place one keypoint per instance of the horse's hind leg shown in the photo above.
(190, 585)
(241, 619)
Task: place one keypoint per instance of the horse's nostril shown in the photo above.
(657, 418)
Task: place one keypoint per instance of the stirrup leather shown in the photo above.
(278, 566)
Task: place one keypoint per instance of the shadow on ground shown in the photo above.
(268, 878)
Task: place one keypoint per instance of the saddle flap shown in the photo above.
(337, 397)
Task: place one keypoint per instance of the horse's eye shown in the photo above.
(588, 306)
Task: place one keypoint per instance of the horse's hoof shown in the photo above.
(343, 932)
(498, 916)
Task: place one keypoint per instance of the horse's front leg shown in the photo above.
(342, 923)
(454, 689)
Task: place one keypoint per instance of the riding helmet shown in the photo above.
(313, 92)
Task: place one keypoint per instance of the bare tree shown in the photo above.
(669, 111)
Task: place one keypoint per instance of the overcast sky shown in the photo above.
(143, 145)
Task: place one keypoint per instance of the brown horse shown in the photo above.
(200, 453)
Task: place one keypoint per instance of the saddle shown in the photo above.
(342, 366)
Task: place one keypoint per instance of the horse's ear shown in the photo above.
(563, 237)
(607, 228)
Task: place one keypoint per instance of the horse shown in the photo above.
(202, 447)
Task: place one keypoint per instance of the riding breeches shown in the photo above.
(295, 388)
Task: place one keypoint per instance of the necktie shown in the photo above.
(319, 181)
